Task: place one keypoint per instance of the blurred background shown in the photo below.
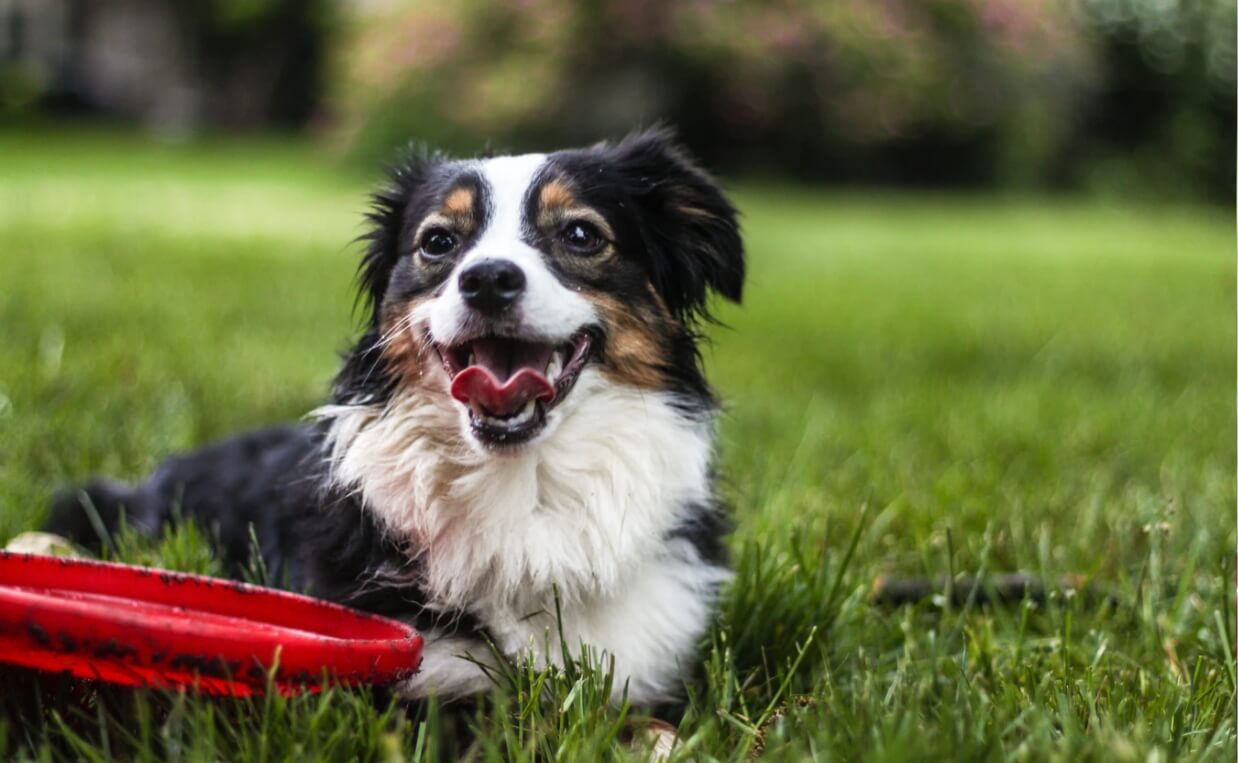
(1131, 98)
(991, 298)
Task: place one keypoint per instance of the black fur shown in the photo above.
(643, 185)
(675, 230)
(686, 232)
(388, 217)
(263, 479)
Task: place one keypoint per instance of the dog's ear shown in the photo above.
(691, 228)
(385, 237)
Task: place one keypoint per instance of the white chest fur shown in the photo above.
(585, 512)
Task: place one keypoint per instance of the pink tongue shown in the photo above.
(476, 384)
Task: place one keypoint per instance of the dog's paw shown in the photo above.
(654, 738)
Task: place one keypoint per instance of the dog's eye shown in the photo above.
(438, 242)
(581, 238)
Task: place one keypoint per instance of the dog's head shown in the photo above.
(499, 282)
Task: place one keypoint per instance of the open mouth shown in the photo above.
(510, 384)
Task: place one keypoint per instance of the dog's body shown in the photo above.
(523, 427)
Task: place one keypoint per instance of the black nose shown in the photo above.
(491, 286)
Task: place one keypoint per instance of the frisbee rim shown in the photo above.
(61, 611)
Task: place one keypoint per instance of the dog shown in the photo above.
(518, 451)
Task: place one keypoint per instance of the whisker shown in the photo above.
(394, 332)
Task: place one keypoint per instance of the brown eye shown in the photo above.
(438, 242)
(581, 238)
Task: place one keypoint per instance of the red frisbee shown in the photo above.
(147, 627)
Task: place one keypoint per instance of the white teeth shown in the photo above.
(472, 357)
(526, 414)
(523, 417)
(555, 366)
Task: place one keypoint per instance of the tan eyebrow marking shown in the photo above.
(557, 194)
(458, 203)
(457, 212)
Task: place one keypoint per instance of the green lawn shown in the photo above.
(956, 384)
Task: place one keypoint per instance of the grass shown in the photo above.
(916, 385)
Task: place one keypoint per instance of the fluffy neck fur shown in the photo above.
(581, 510)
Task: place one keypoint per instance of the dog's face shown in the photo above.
(498, 282)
